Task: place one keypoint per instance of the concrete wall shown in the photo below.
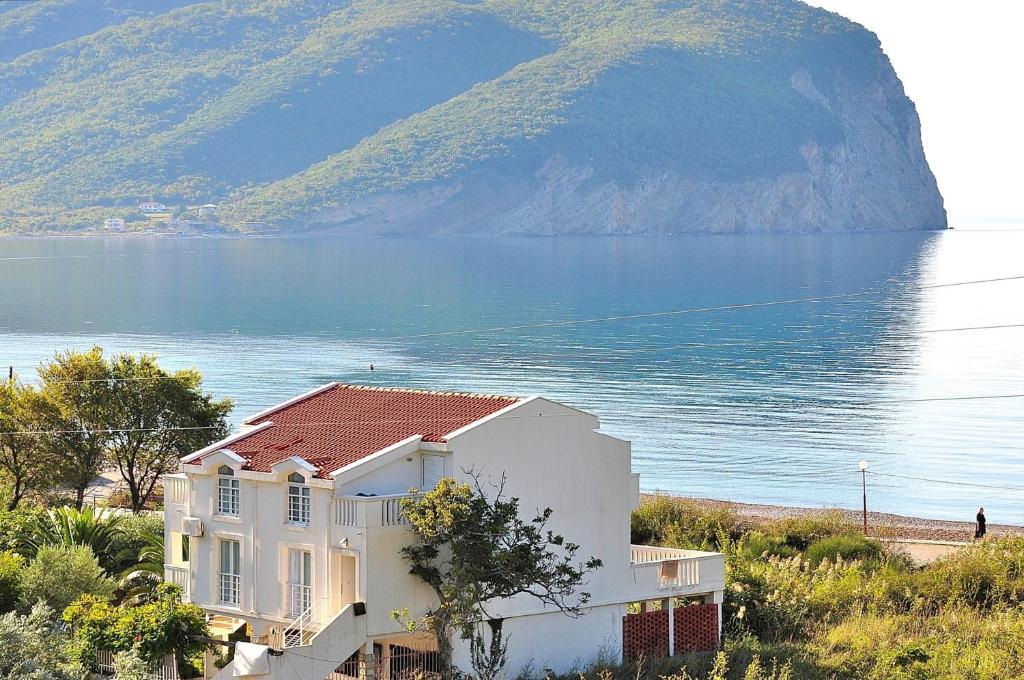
(554, 641)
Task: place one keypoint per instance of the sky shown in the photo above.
(961, 63)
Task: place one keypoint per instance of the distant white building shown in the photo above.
(113, 224)
(152, 207)
(292, 529)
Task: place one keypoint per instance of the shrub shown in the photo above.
(134, 534)
(756, 545)
(800, 532)
(16, 525)
(61, 574)
(11, 565)
(35, 648)
(684, 523)
(846, 546)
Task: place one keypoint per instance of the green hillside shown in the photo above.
(393, 116)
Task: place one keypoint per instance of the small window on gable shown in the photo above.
(297, 478)
(226, 471)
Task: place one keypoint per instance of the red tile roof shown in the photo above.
(341, 424)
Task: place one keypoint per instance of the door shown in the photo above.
(300, 581)
(343, 580)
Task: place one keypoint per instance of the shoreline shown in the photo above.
(882, 525)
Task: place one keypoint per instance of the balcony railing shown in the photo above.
(299, 598)
(230, 587)
(176, 489)
(679, 569)
(369, 511)
(180, 577)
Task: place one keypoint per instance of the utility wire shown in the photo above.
(639, 350)
(789, 403)
(946, 481)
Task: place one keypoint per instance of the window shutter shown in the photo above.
(433, 471)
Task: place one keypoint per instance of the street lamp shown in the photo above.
(864, 488)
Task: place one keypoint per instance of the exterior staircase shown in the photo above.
(314, 654)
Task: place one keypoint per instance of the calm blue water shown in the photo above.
(766, 404)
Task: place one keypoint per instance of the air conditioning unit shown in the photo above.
(192, 526)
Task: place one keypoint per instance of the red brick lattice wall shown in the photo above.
(646, 633)
(696, 628)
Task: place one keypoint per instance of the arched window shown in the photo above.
(227, 492)
(298, 500)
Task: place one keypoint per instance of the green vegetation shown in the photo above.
(812, 598)
(279, 109)
(472, 549)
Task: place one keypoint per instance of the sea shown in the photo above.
(753, 367)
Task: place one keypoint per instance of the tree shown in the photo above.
(129, 411)
(25, 463)
(155, 418)
(76, 393)
(61, 574)
(99, 530)
(473, 550)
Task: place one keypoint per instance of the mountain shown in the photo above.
(433, 116)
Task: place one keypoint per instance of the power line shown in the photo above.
(946, 481)
(789, 403)
(692, 310)
(641, 350)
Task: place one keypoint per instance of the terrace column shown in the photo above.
(668, 604)
(717, 597)
(369, 662)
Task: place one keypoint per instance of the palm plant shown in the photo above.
(139, 582)
(98, 529)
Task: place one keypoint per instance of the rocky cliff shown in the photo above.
(500, 117)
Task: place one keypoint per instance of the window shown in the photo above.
(433, 471)
(185, 547)
(300, 581)
(227, 492)
(230, 571)
(298, 499)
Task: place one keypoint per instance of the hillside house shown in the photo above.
(151, 207)
(288, 533)
(114, 224)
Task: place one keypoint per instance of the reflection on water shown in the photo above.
(771, 404)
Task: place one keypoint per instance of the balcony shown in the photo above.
(677, 571)
(176, 489)
(180, 577)
(369, 511)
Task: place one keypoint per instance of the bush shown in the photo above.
(34, 647)
(800, 532)
(683, 523)
(134, 533)
(849, 547)
(59, 575)
(11, 565)
(756, 545)
(16, 525)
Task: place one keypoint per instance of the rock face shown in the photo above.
(437, 117)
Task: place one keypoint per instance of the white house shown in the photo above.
(115, 224)
(152, 207)
(288, 533)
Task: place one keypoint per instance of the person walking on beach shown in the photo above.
(979, 530)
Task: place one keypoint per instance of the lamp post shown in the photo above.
(864, 488)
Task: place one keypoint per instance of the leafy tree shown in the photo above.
(61, 574)
(25, 460)
(128, 411)
(153, 630)
(76, 390)
(473, 550)
(66, 527)
(155, 418)
(34, 647)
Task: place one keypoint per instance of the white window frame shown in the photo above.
(298, 500)
(229, 583)
(229, 495)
